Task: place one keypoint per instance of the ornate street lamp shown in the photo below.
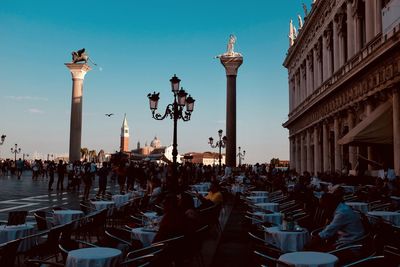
(241, 156)
(220, 144)
(16, 151)
(175, 111)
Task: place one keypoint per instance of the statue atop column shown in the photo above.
(300, 21)
(230, 48)
(292, 33)
(81, 56)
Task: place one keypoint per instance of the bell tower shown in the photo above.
(124, 147)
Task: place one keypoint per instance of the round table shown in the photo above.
(258, 199)
(90, 257)
(268, 206)
(287, 241)
(66, 216)
(275, 217)
(309, 259)
(391, 216)
(120, 199)
(201, 187)
(103, 204)
(12, 232)
(144, 235)
(197, 202)
(236, 188)
(259, 193)
(361, 206)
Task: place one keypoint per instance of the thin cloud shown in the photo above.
(35, 111)
(26, 98)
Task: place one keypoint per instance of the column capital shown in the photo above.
(328, 38)
(317, 48)
(231, 64)
(78, 71)
(339, 22)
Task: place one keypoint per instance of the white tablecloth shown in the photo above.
(196, 202)
(201, 187)
(391, 216)
(275, 218)
(12, 232)
(309, 259)
(287, 241)
(261, 199)
(237, 188)
(348, 188)
(271, 206)
(120, 199)
(361, 206)
(144, 235)
(94, 257)
(259, 193)
(103, 204)
(66, 216)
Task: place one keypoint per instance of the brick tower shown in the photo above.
(124, 147)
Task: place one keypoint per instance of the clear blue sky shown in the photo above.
(139, 46)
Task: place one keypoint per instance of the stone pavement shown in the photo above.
(25, 194)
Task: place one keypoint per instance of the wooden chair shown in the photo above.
(9, 252)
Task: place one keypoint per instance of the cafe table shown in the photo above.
(257, 199)
(273, 217)
(271, 206)
(145, 235)
(309, 259)
(360, 206)
(66, 216)
(286, 240)
(259, 193)
(391, 216)
(13, 232)
(91, 257)
(120, 199)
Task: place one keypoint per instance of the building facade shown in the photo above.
(344, 86)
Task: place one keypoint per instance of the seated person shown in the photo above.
(345, 227)
(156, 191)
(214, 196)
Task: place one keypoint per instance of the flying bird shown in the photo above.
(109, 114)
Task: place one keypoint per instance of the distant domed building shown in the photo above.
(154, 152)
(156, 143)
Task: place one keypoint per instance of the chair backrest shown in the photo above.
(17, 217)
(41, 222)
(8, 252)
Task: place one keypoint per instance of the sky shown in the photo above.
(138, 46)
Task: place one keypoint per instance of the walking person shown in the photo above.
(51, 169)
(103, 174)
(20, 166)
(87, 180)
(60, 174)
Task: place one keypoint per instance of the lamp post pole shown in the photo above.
(175, 111)
(220, 144)
(16, 151)
(241, 156)
(2, 138)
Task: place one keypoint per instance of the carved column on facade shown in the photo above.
(336, 57)
(378, 16)
(310, 73)
(324, 58)
(325, 146)
(291, 94)
(317, 64)
(350, 29)
(296, 90)
(369, 20)
(338, 148)
(303, 87)
(357, 26)
(352, 149)
(303, 156)
(341, 32)
(317, 156)
(368, 111)
(291, 153)
(396, 129)
(298, 153)
(328, 53)
(309, 152)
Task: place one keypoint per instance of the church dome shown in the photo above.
(156, 143)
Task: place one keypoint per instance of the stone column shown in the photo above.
(342, 43)
(352, 149)
(336, 57)
(325, 146)
(328, 56)
(309, 152)
(291, 153)
(78, 72)
(369, 20)
(308, 74)
(297, 88)
(317, 157)
(303, 86)
(338, 148)
(368, 110)
(298, 153)
(290, 94)
(378, 16)
(311, 71)
(350, 29)
(324, 58)
(303, 156)
(396, 130)
(315, 67)
(231, 64)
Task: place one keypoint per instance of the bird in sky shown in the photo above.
(109, 114)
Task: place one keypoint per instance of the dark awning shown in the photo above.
(377, 128)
